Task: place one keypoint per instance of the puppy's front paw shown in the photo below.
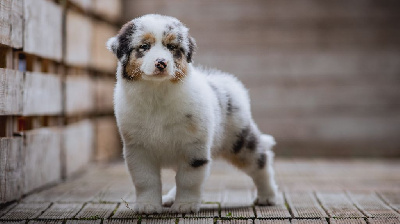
(167, 200)
(185, 207)
(146, 208)
(266, 200)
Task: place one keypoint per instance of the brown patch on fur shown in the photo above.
(192, 127)
(149, 38)
(132, 69)
(237, 161)
(180, 71)
(168, 38)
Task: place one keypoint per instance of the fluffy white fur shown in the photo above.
(183, 125)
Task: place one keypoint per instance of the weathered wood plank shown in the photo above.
(77, 146)
(25, 211)
(371, 205)
(121, 221)
(83, 221)
(77, 194)
(125, 211)
(337, 205)
(347, 221)
(165, 213)
(104, 95)
(42, 155)
(11, 169)
(304, 205)
(195, 221)
(96, 211)
(334, 127)
(7, 208)
(237, 212)
(79, 94)
(359, 99)
(78, 39)
(309, 221)
(11, 92)
(384, 220)
(43, 29)
(101, 59)
(61, 211)
(42, 94)
(46, 222)
(392, 198)
(110, 10)
(12, 222)
(108, 143)
(276, 211)
(206, 211)
(11, 21)
(157, 221)
(112, 193)
(271, 221)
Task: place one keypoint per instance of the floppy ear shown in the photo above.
(112, 45)
(192, 48)
(120, 44)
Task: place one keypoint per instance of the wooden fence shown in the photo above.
(56, 90)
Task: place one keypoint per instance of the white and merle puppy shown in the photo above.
(173, 115)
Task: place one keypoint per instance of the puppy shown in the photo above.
(171, 114)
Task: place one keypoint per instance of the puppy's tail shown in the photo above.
(267, 141)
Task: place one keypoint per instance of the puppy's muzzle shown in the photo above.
(161, 64)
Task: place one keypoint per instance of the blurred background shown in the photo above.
(323, 76)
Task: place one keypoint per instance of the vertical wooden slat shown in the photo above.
(43, 29)
(11, 169)
(108, 142)
(42, 94)
(42, 155)
(78, 140)
(78, 39)
(11, 92)
(11, 23)
(101, 59)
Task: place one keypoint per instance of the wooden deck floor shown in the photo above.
(313, 191)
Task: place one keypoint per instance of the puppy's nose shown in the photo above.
(161, 63)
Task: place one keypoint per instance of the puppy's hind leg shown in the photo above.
(263, 174)
(254, 156)
(169, 198)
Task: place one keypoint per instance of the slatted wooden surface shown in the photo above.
(325, 191)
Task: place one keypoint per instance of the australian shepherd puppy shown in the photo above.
(171, 114)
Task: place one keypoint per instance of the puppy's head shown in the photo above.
(153, 47)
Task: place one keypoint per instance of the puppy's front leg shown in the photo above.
(189, 182)
(146, 177)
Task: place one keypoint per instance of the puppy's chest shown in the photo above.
(162, 125)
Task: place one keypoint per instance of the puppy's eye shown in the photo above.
(145, 47)
(171, 47)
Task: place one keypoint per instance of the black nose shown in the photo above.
(161, 63)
